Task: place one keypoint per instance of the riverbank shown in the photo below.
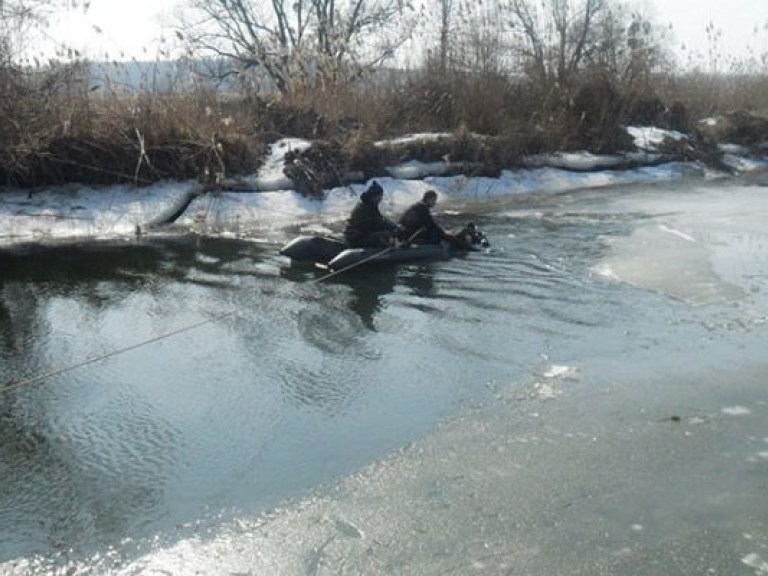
(257, 206)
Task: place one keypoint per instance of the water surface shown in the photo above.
(513, 408)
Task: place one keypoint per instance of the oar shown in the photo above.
(371, 257)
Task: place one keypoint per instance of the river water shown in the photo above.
(588, 396)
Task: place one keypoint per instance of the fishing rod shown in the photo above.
(371, 257)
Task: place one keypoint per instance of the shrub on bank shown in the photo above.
(60, 129)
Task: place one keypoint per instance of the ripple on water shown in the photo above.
(329, 389)
(333, 331)
(285, 394)
(520, 283)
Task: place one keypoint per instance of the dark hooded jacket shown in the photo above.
(366, 219)
(417, 221)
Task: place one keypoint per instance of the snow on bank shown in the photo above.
(120, 212)
(270, 175)
(83, 212)
(650, 138)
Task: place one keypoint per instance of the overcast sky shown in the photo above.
(737, 19)
(130, 27)
(133, 27)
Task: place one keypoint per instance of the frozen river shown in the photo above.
(589, 396)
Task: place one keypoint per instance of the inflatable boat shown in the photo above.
(336, 255)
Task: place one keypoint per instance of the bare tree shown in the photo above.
(557, 36)
(20, 21)
(298, 41)
(446, 13)
(464, 35)
(642, 52)
(17, 17)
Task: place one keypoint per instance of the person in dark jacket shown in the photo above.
(366, 227)
(417, 224)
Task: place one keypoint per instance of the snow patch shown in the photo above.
(557, 371)
(650, 138)
(677, 233)
(736, 411)
(754, 560)
(412, 138)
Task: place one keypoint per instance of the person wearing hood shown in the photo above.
(366, 227)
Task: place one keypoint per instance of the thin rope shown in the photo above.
(57, 372)
(42, 377)
(47, 375)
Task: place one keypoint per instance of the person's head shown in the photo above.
(473, 235)
(373, 194)
(429, 198)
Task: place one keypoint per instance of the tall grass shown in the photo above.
(140, 123)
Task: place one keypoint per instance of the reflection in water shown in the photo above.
(368, 291)
(367, 286)
(312, 380)
(335, 321)
(78, 456)
(420, 280)
(7, 340)
(76, 265)
(86, 456)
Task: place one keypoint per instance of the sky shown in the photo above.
(737, 19)
(134, 27)
(123, 29)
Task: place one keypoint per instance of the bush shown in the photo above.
(59, 129)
